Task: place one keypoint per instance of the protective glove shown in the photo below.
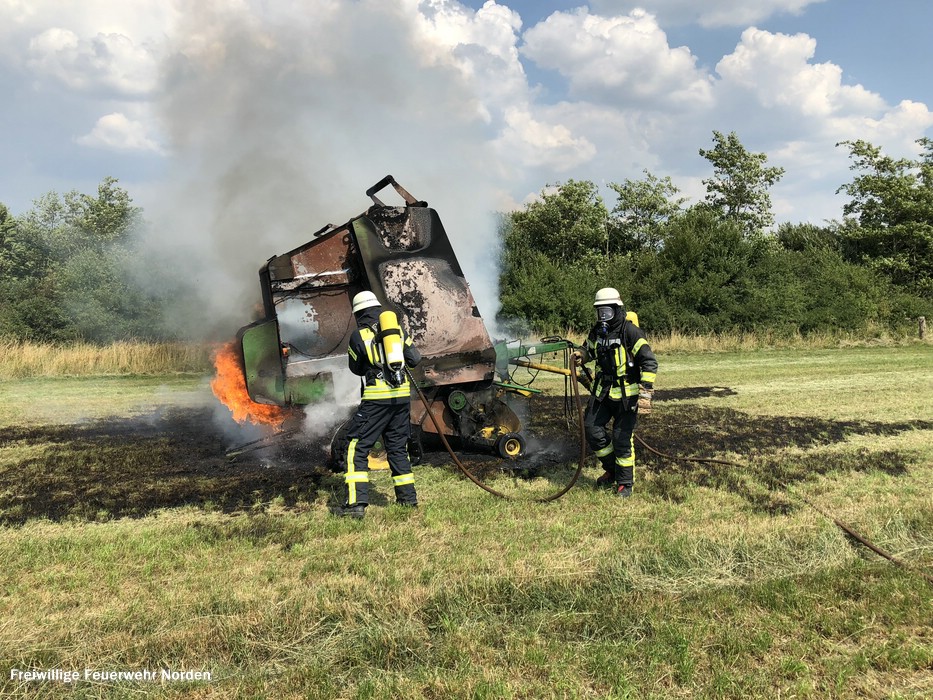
(645, 394)
(583, 376)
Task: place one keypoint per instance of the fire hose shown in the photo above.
(861, 539)
(847, 529)
(468, 474)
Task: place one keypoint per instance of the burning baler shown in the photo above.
(296, 354)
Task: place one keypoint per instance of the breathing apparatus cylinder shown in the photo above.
(393, 351)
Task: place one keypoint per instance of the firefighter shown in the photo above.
(625, 369)
(385, 406)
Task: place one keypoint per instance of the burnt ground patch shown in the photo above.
(758, 445)
(131, 467)
(693, 392)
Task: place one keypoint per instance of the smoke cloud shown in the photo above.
(278, 117)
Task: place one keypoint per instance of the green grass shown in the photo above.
(131, 543)
(62, 400)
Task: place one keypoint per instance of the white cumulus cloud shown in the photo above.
(707, 13)
(777, 68)
(535, 143)
(617, 59)
(119, 133)
(290, 106)
(482, 45)
(107, 62)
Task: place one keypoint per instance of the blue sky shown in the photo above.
(246, 125)
(882, 45)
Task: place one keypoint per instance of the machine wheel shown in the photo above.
(510, 446)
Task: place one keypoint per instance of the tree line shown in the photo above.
(68, 271)
(718, 265)
(68, 267)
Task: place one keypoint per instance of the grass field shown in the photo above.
(130, 544)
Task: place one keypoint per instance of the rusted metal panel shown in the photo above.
(421, 280)
(403, 255)
(323, 261)
(420, 417)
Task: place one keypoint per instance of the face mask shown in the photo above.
(604, 314)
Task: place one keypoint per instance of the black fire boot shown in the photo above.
(356, 511)
(605, 481)
(608, 479)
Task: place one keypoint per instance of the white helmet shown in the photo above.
(364, 300)
(608, 296)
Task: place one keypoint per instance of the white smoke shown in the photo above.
(323, 418)
(280, 117)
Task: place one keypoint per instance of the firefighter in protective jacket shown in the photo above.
(378, 352)
(625, 369)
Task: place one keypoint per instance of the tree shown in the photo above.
(804, 237)
(555, 257)
(892, 203)
(28, 302)
(700, 280)
(75, 222)
(740, 183)
(22, 254)
(66, 265)
(567, 225)
(642, 208)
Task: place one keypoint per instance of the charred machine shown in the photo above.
(296, 354)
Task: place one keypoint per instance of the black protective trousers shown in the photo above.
(615, 450)
(391, 422)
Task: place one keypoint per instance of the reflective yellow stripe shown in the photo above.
(351, 353)
(356, 477)
(631, 390)
(648, 377)
(639, 344)
(381, 390)
(403, 479)
(630, 460)
(351, 469)
(605, 451)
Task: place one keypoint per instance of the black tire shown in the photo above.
(510, 446)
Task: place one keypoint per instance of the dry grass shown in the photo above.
(677, 342)
(20, 359)
(128, 552)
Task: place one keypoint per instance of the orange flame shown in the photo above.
(229, 385)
